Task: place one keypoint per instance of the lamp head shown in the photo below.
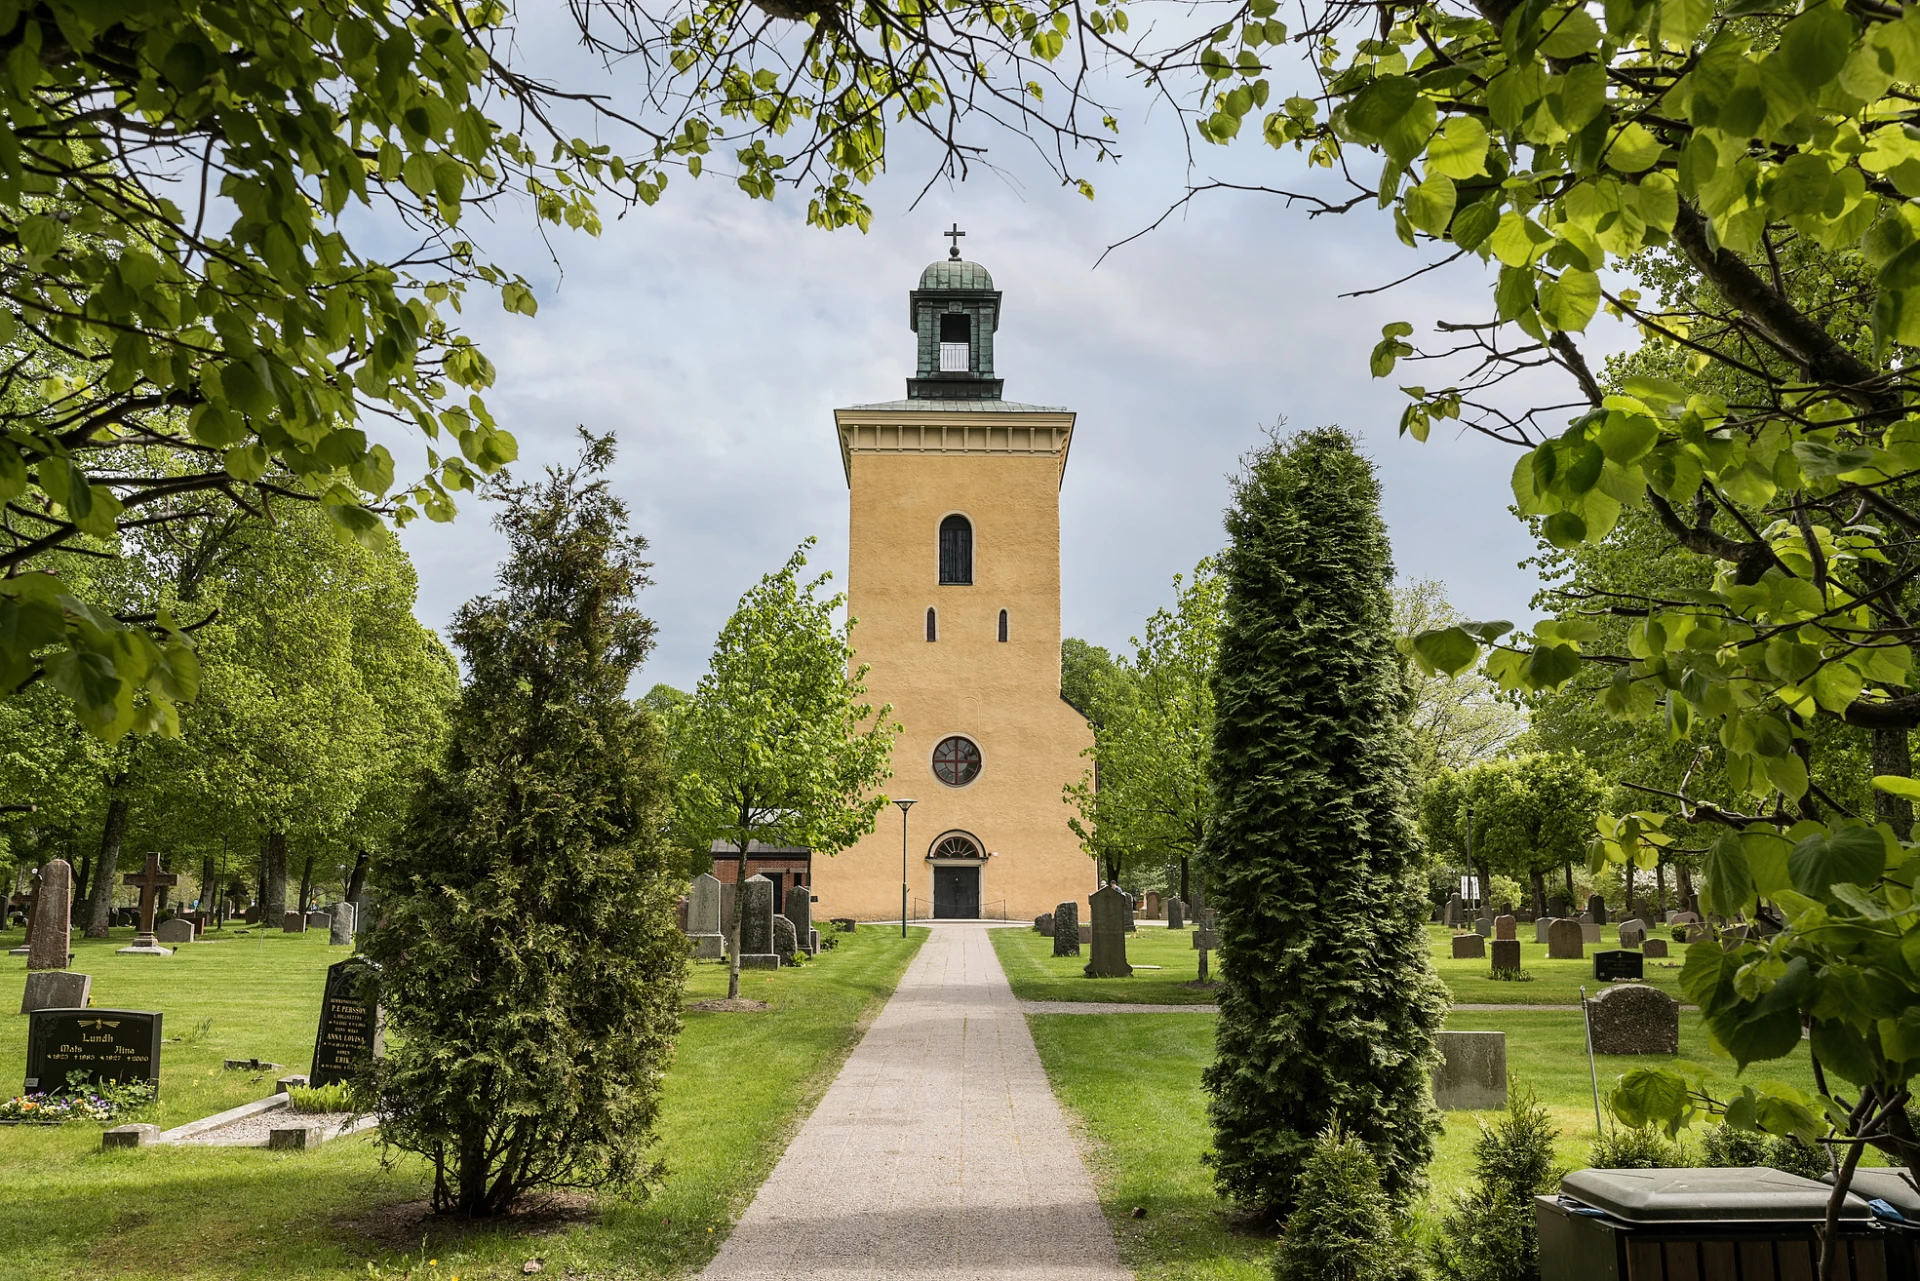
(905, 804)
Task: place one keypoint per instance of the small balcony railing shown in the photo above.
(953, 358)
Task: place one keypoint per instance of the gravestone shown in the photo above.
(703, 918)
(33, 901)
(1506, 954)
(1633, 1018)
(786, 939)
(1473, 1071)
(1565, 941)
(1612, 966)
(1540, 929)
(178, 930)
(55, 990)
(105, 1045)
(1558, 907)
(51, 944)
(294, 922)
(1153, 905)
(1126, 916)
(799, 910)
(1066, 929)
(350, 1030)
(320, 921)
(756, 926)
(1505, 927)
(1682, 918)
(1453, 913)
(1043, 925)
(1589, 933)
(1176, 914)
(1468, 947)
(1111, 911)
(151, 882)
(1483, 926)
(340, 933)
(1699, 932)
(1633, 933)
(1654, 947)
(1597, 908)
(252, 915)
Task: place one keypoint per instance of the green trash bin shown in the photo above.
(1699, 1225)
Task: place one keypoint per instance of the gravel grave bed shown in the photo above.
(252, 1131)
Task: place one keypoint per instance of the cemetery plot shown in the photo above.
(102, 1046)
(1037, 974)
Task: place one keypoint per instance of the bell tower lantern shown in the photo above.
(954, 314)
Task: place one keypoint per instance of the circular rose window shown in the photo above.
(956, 761)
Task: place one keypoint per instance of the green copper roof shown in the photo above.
(955, 273)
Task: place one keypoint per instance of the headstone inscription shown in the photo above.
(1176, 914)
(349, 1028)
(1505, 927)
(1506, 954)
(1565, 941)
(103, 1045)
(53, 933)
(799, 910)
(1634, 1019)
(1609, 967)
(33, 907)
(1468, 947)
(1111, 911)
(756, 926)
(150, 881)
(1066, 929)
(703, 918)
(340, 933)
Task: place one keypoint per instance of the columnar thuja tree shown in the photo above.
(777, 745)
(528, 961)
(1330, 1006)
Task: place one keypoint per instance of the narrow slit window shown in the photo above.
(956, 550)
(933, 625)
(1003, 627)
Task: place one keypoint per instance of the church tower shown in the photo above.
(954, 577)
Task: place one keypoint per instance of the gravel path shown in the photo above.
(939, 1152)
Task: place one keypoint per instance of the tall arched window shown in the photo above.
(1003, 627)
(933, 625)
(956, 550)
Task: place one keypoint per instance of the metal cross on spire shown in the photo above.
(954, 233)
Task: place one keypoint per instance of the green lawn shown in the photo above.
(1038, 975)
(739, 1087)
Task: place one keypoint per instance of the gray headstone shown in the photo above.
(1453, 913)
(1111, 912)
(52, 919)
(1506, 954)
(1483, 926)
(1473, 1071)
(1176, 914)
(1505, 927)
(320, 921)
(1682, 918)
(1566, 941)
(1654, 947)
(1468, 947)
(1597, 908)
(1066, 929)
(340, 933)
(177, 930)
(799, 910)
(1126, 917)
(1043, 925)
(703, 905)
(294, 922)
(786, 939)
(1632, 1018)
(1540, 929)
(1153, 906)
(1699, 932)
(55, 990)
(1633, 933)
(756, 921)
(1589, 933)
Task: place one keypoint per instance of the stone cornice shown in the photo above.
(926, 428)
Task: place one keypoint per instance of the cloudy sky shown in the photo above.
(715, 335)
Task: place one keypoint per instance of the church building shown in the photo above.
(953, 577)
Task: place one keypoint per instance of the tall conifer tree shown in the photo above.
(1330, 1005)
(529, 961)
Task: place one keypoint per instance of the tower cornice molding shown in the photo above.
(968, 427)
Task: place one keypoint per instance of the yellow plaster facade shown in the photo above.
(909, 465)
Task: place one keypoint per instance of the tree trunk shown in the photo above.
(1539, 880)
(357, 881)
(1183, 881)
(208, 890)
(1628, 867)
(1893, 755)
(1571, 905)
(306, 885)
(1684, 875)
(82, 878)
(100, 909)
(273, 874)
(739, 915)
(1660, 882)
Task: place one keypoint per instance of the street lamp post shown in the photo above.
(904, 805)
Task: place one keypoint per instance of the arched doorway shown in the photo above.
(956, 859)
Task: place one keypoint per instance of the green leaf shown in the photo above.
(1429, 206)
(1567, 304)
(1651, 1096)
(1896, 785)
(1815, 45)
(1380, 106)
(1729, 879)
(1633, 149)
(1856, 855)
(1573, 33)
(1459, 149)
(1449, 650)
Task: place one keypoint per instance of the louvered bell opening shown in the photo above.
(956, 341)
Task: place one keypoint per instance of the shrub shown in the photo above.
(337, 1097)
(1330, 1004)
(1723, 1145)
(1636, 1148)
(1491, 1233)
(1343, 1226)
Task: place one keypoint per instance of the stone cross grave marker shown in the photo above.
(799, 910)
(340, 931)
(150, 881)
(1112, 911)
(755, 943)
(33, 907)
(1066, 929)
(50, 948)
(104, 1045)
(703, 918)
(1205, 940)
(349, 1030)
(1565, 941)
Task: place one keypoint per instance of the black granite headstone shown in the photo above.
(106, 1045)
(1608, 966)
(349, 1028)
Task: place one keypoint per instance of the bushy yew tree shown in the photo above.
(528, 960)
(1330, 1005)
